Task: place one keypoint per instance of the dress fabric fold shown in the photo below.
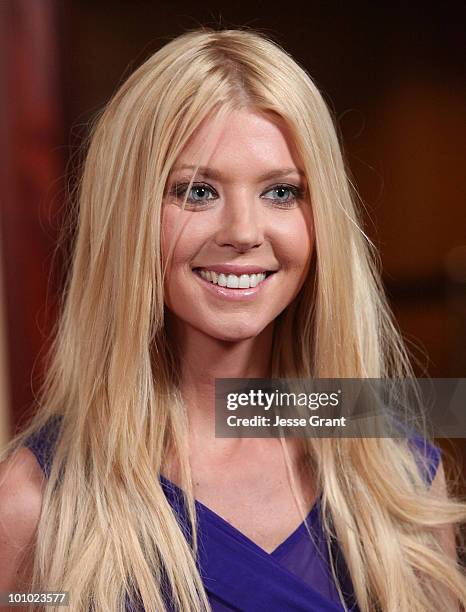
(239, 575)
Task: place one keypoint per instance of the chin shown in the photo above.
(235, 332)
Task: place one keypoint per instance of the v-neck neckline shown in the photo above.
(278, 550)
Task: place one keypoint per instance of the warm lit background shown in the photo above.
(393, 76)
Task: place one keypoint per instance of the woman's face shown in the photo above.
(248, 213)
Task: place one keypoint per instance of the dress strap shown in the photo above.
(427, 455)
(42, 443)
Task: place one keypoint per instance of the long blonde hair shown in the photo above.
(106, 527)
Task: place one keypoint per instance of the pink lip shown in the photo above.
(228, 268)
(234, 295)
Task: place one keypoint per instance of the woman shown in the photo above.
(216, 165)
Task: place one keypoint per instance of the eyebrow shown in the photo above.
(211, 173)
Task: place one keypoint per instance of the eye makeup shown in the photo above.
(295, 193)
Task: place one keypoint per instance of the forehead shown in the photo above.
(243, 138)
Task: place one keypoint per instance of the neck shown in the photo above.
(204, 358)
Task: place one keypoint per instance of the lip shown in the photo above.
(228, 268)
(234, 295)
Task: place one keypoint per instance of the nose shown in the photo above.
(241, 223)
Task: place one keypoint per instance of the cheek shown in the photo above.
(297, 243)
(169, 245)
(167, 233)
(304, 248)
(175, 241)
(183, 234)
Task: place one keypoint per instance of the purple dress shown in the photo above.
(239, 575)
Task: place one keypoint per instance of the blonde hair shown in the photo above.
(106, 527)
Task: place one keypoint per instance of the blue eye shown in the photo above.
(285, 195)
(282, 195)
(197, 192)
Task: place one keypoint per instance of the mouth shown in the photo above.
(233, 281)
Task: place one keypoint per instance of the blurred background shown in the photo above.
(392, 74)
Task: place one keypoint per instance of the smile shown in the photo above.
(232, 287)
(232, 281)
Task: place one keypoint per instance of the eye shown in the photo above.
(284, 195)
(197, 194)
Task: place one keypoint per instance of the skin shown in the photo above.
(240, 220)
(236, 223)
(217, 339)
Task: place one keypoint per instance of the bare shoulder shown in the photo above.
(21, 490)
(21, 485)
(439, 485)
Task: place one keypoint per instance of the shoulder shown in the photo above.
(21, 486)
(439, 485)
(21, 481)
(21, 491)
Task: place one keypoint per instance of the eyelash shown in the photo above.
(179, 189)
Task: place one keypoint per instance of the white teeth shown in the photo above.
(244, 281)
(232, 281)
